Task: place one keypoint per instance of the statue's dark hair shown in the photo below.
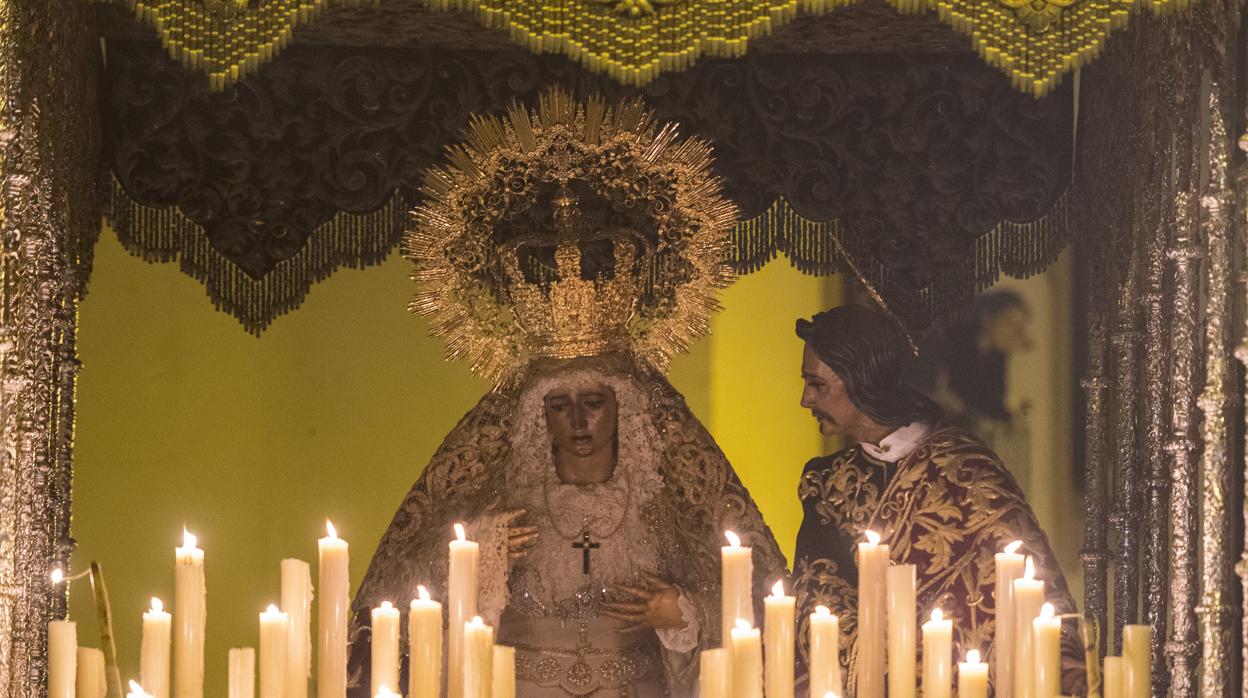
(866, 350)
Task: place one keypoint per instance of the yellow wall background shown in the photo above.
(185, 419)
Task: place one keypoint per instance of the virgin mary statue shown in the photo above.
(567, 253)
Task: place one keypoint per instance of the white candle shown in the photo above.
(503, 679)
(274, 633)
(1028, 598)
(972, 677)
(872, 566)
(902, 615)
(1009, 566)
(62, 658)
(91, 682)
(779, 636)
(737, 590)
(478, 659)
(714, 675)
(747, 661)
(242, 672)
(189, 617)
(1046, 642)
(424, 647)
(462, 600)
(825, 653)
(1113, 678)
(297, 605)
(154, 655)
(136, 691)
(385, 646)
(938, 656)
(1137, 669)
(332, 610)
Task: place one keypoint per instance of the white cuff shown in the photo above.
(682, 639)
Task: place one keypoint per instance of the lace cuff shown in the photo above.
(682, 639)
(490, 532)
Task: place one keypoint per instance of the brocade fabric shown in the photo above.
(947, 507)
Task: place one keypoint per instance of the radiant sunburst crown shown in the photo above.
(573, 230)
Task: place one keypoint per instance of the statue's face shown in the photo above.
(582, 418)
(825, 396)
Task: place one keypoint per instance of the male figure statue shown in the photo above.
(936, 494)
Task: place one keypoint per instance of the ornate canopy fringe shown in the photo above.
(811, 148)
(1035, 42)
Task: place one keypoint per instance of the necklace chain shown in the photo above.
(550, 513)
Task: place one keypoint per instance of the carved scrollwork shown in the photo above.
(916, 159)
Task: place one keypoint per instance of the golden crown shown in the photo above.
(570, 231)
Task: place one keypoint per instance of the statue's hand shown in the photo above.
(656, 606)
(520, 539)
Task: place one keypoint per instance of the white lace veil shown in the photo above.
(532, 461)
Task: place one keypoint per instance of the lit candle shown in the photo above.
(872, 567)
(274, 633)
(1046, 641)
(333, 579)
(1137, 668)
(737, 591)
(825, 652)
(154, 655)
(62, 658)
(714, 677)
(462, 597)
(385, 692)
(1009, 566)
(297, 605)
(747, 661)
(778, 641)
(1028, 598)
(901, 621)
(478, 659)
(385, 646)
(972, 677)
(1114, 678)
(189, 617)
(242, 672)
(91, 682)
(503, 679)
(938, 656)
(136, 691)
(424, 646)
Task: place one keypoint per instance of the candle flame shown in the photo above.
(733, 539)
(1010, 550)
(822, 611)
(1047, 612)
(938, 615)
(387, 606)
(136, 691)
(422, 592)
(329, 527)
(189, 541)
(58, 575)
(872, 537)
(272, 609)
(831, 694)
(157, 605)
(743, 624)
(777, 590)
(972, 657)
(1029, 569)
(476, 622)
(460, 535)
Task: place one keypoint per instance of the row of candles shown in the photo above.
(173, 642)
(1027, 665)
(1028, 638)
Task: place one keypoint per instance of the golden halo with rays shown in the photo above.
(530, 198)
